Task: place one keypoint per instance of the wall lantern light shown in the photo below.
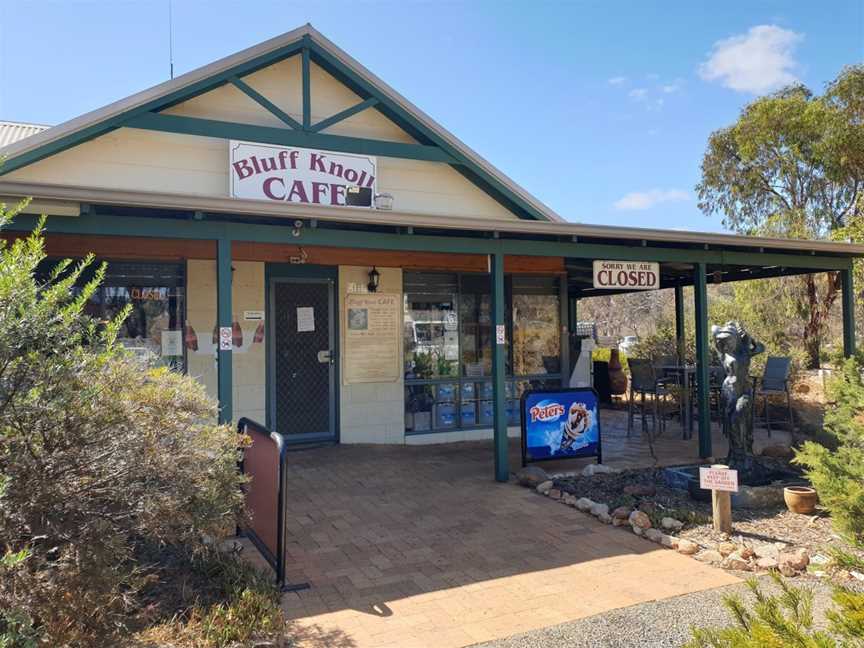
(374, 278)
(384, 201)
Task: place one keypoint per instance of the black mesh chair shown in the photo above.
(672, 380)
(775, 381)
(644, 382)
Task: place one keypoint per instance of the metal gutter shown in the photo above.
(354, 216)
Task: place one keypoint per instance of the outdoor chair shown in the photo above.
(672, 380)
(774, 381)
(644, 382)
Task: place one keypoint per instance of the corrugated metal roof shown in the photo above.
(14, 131)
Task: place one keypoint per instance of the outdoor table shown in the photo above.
(686, 372)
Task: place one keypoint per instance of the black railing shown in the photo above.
(266, 496)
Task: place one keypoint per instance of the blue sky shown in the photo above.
(600, 109)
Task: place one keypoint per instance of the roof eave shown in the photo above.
(187, 202)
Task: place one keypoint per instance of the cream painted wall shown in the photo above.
(201, 316)
(370, 412)
(250, 369)
(249, 375)
(138, 160)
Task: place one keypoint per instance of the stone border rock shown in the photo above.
(728, 555)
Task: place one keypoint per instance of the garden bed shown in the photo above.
(763, 538)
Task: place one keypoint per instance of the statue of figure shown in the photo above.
(735, 348)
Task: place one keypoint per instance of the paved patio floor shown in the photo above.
(418, 546)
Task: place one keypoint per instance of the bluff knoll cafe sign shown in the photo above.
(633, 275)
(299, 175)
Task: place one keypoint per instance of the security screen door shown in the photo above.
(303, 359)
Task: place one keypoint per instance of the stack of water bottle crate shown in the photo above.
(474, 406)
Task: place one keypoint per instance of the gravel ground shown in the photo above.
(663, 623)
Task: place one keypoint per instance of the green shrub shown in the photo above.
(662, 342)
(603, 355)
(99, 454)
(838, 474)
(786, 619)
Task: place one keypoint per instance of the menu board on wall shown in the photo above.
(371, 338)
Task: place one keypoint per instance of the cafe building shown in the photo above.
(332, 263)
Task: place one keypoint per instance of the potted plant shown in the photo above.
(800, 499)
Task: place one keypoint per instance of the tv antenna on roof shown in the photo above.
(170, 40)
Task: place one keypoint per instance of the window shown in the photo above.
(156, 292)
(448, 337)
(536, 326)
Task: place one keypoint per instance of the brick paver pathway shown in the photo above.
(417, 546)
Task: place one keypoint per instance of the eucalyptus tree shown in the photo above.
(792, 165)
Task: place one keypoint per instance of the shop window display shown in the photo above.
(157, 296)
(448, 338)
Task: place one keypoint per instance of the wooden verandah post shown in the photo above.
(224, 319)
(700, 288)
(502, 468)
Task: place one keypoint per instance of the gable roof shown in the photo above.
(325, 54)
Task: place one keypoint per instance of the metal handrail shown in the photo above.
(277, 561)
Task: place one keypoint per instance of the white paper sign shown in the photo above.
(451, 346)
(635, 275)
(253, 315)
(450, 321)
(500, 334)
(721, 479)
(297, 175)
(172, 343)
(225, 338)
(305, 319)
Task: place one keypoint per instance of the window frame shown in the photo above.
(511, 381)
(180, 280)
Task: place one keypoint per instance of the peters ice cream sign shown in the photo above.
(299, 175)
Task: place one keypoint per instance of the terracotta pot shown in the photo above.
(800, 499)
(617, 377)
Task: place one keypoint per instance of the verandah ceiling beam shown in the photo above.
(285, 137)
(184, 229)
(265, 103)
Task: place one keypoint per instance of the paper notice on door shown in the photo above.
(451, 346)
(172, 343)
(305, 319)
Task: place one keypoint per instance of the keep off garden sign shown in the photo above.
(635, 275)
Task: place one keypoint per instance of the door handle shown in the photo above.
(324, 356)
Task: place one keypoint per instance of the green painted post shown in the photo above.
(700, 288)
(223, 318)
(848, 293)
(499, 393)
(680, 332)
